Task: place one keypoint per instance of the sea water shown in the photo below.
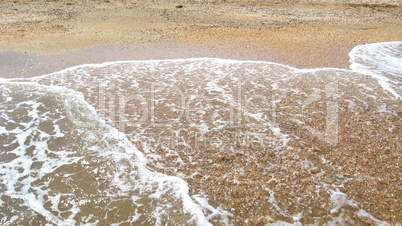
(152, 142)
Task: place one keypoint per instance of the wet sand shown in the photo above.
(38, 38)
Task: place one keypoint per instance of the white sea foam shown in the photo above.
(383, 61)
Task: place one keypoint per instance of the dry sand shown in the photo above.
(40, 37)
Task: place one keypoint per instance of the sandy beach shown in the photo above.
(303, 34)
(40, 37)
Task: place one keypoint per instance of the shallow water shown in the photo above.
(200, 141)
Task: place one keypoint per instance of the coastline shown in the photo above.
(302, 35)
(19, 63)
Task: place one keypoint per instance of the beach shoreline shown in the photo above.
(20, 63)
(39, 38)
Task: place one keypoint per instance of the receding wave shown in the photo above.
(200, 141)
